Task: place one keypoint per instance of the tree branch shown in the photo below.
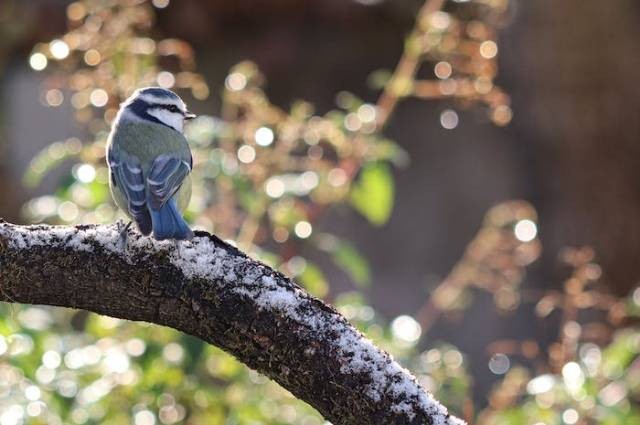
(211, 290)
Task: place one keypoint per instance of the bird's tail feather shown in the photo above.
(167, 223)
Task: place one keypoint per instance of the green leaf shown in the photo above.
(349, 259)
(388, 150)
(246, 197)
(314, 280)
(372, 196)
(48, 159)
(346, 256)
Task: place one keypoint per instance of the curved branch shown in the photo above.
(211, 290)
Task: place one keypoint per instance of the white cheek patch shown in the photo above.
(172, 119)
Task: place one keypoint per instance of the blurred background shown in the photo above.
(461, 178)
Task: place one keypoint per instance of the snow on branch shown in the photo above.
(213, 291)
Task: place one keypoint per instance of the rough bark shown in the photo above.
(213, 291)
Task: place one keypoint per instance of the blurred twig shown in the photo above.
(495, 260)
(463, 55)
(407, 67)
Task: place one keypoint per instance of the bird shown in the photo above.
(149, 163)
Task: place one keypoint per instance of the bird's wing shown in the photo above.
(127, 175)
(165, 178)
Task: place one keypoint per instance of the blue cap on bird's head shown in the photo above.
(157, 105)
(157, 92)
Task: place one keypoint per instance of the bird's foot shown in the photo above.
(124, 236)
(178, 245)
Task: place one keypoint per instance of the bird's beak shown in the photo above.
(189, 115)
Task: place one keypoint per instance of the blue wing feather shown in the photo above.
(165, 178)
(166, 175)
(127, 175)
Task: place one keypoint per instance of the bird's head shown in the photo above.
(155, 104)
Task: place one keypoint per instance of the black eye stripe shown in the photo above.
(170, 108)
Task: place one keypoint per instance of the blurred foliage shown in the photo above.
(494, 261)
(589, 375)
(263, 177)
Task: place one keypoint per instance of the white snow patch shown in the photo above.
(26, 237)
(357, 354)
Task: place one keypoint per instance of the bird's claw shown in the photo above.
(178, 245)
(124, 236)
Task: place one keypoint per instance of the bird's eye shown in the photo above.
(173, 108)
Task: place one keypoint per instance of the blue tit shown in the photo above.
(150, 162)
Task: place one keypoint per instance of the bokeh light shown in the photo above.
(303, 229)
(236, 81)
(449, 119)
(92, 57)
(85, 173)
(38, 61)
(166, 79)
(489, 49)
(443, 70)
(264, 136)
(499, 364)
(246, 154)
(59, 49)
(525, 230)
(99, 98)
(406, 329)
(54, 97)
